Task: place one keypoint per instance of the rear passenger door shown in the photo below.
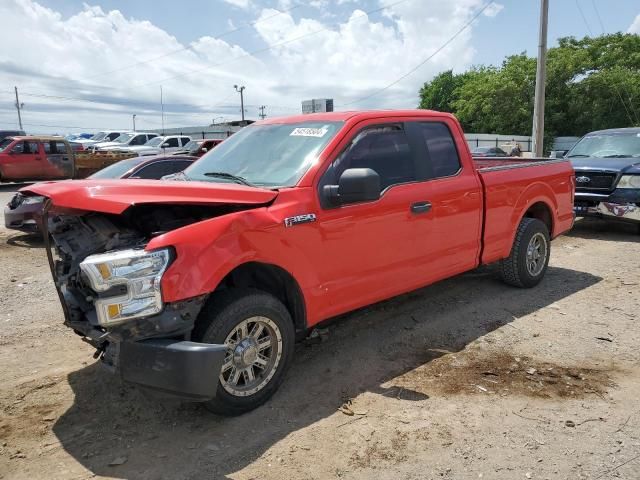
(59, 160)
(449, 243)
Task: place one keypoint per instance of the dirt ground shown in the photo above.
(465, 379)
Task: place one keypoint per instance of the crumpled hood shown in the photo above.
(115, 196)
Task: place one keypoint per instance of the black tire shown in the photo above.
(224, 312)
(514, 269)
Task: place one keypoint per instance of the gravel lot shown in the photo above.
(465, 379)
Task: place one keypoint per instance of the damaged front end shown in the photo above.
(110, 290)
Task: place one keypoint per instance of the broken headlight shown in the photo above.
(629, 181)
(137, 270)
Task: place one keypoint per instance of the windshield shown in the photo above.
(266, 155)
(193, 145)
(608, 145)
(154, 142)
(124, 138)
(5, 143)
(99, 136)
(117, 169)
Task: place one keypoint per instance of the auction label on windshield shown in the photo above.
(308, 132)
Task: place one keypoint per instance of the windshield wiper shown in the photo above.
(617, 156)
(578, 155)
(230, 176)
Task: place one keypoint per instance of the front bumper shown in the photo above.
(612, 207)
(182, 369)
(25, 218)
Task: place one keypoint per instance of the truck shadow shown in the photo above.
(362, 351)
(596, 229)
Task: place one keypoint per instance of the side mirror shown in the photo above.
(355, 185)
(164, 145)
(559, 153)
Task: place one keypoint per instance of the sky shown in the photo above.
(87, 66)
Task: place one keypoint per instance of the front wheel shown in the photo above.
(259, 334)
(526, 265)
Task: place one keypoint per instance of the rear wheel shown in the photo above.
(526, 265)
(259, 334)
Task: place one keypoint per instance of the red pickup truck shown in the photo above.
(199, 288)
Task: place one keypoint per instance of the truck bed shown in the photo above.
(483, 163)
(511, 187)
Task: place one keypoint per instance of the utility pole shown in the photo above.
(541, 70)
(262, 115)
(134, 122)
(162, 109)
(241, 90)
(18, 106)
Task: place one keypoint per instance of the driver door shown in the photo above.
(25, 161)
(366, 251)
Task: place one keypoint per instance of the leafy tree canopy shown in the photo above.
(592, 84)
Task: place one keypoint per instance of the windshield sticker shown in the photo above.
(309, 132)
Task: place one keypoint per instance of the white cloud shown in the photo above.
(244, 4)
(635, 26)
(86, 56)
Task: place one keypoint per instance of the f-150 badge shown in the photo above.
(305, 218)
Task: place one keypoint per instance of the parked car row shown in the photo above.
(22, 212)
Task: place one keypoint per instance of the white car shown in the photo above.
(160, 145)
(106, 136)
(124, 141)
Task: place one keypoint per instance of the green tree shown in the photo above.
(592, 83)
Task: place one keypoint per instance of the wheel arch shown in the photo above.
(541, 211)
(274, 280)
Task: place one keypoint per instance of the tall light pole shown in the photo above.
(162, 108)
(134, 122)
(241, 90)
(541, 71)
(19, 106)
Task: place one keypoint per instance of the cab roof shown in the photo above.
(351, 115)
(38, 137)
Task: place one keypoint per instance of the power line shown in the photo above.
(442, 47)
(598, 15)
(584, 19)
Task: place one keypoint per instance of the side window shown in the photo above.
(33, 147)
(48, 147)
(61, 148)
(385, 150)
(19, 148)
(173, 142)
(441, 148)
(112, 136)
(160, 169)
(138, 140)
(185, 140)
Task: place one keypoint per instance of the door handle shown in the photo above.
(421, 207)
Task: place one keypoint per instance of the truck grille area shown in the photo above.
(595, 181)
(74, 239)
